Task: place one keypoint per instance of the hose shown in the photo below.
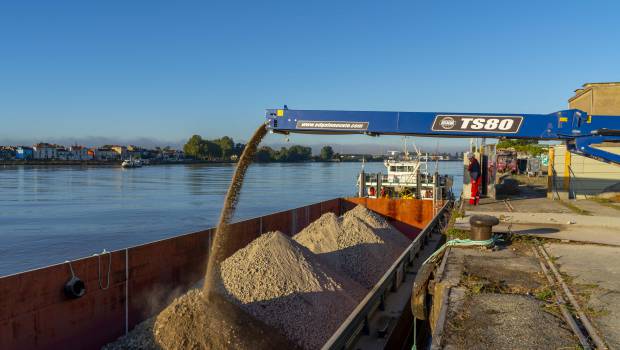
(461, 243)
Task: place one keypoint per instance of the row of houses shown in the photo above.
(48, 151)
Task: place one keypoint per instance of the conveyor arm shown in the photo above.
(576, 127)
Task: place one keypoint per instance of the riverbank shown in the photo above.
(103, 162)
(151, 162)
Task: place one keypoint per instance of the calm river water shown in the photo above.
(52, 214)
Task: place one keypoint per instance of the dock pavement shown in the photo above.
(500, 298)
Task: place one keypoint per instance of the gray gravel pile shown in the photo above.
(360, 244)
(285, 285)
(393, 238)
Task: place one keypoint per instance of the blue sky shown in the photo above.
(164, 70)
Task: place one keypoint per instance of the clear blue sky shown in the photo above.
(167, 69)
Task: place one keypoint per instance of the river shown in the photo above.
(52, 214)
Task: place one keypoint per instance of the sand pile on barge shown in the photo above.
(192, 321)
(360, 244)
(283, 284)
(279, 292)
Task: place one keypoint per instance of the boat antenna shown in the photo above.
(437, 156)
(417, 150)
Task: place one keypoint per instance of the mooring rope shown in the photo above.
(461, 243)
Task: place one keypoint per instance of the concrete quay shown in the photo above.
(500, 297)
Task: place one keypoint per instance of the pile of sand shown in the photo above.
(278, 292)
(195, 322)
(286, 286)
(360, 244)
(396, 241)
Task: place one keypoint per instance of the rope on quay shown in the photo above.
(461, 243)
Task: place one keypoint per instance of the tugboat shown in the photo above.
(407, 178)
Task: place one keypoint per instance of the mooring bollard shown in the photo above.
(481, 227)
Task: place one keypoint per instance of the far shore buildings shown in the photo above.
(44, 151)
(24, 152)
(106, 153)
(79, 153)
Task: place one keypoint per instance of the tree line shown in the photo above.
(294, 153)
(520, 145)
(225, 148)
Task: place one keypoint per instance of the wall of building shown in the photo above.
(580, 177)
(577, 176)
(597, 99)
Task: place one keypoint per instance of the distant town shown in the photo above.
(196, 149)
(108, 153)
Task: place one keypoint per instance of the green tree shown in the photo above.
(327, 153)
(513, 143)
(530, 147)
(299, 153)
(227, 146)
(281, 155)
(239, 147)
(194, 147)
(265, 154)
(211, 149)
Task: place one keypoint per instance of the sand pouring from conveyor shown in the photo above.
(579, 130)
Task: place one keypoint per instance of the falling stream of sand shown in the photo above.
(224, 243)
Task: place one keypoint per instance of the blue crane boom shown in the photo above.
(578, 129)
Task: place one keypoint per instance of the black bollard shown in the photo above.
(481, 227)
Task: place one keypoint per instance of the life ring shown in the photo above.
(372, 191)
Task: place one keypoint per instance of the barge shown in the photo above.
(125, 287)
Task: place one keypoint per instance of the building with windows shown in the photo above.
(7, 152)
(24, 153)
(106, 153)
(45, 151)
(79, 153)
(121, 151)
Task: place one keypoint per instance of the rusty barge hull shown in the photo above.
(36, 314)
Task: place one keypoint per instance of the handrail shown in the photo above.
(357, 320)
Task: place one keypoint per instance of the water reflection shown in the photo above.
(51, 214)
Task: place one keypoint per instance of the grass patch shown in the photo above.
(545, 294)
(527, 239)
(553, 309)
(455, 233)
(575, 209)
(477, 284)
